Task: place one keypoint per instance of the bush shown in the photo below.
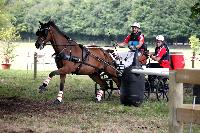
(7, 36)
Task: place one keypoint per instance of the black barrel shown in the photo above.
(132, 87)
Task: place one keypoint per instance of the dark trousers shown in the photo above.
(196, 92)
(152, 77)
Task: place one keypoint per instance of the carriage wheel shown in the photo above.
(166, 91)
(147, 90)
(161, 91)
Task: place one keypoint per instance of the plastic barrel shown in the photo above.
(177, 60)
(132, 88)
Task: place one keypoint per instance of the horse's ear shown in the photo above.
(51, 21)
(40, 23)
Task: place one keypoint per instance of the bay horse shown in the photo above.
(71, 57)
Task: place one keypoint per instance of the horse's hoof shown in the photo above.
(97, 100)
(57, 102)
(42, 89)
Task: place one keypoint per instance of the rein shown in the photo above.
(106, 62)
(88, 53)
(59, 45)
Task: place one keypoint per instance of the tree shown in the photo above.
(99, 18)
(7, 36)
(194, 43)
(170, 18)
(195, 10)
(4, 16)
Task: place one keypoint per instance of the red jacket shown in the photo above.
(163, 53)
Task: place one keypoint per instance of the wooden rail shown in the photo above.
(180, 113)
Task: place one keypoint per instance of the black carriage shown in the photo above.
(155, 86)
(110, 87)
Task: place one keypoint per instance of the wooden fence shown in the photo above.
(180, 113)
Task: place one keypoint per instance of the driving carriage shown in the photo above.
(155, 86)
(71, 57)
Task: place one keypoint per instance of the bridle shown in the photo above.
(45, 31)
(42, 33)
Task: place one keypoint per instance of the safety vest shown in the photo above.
(165, 56)
(134, 41)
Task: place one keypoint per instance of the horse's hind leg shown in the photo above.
(96, 77)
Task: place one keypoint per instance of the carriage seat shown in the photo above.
(123, 58)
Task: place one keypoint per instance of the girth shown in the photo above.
(85, 55)
(70, 57)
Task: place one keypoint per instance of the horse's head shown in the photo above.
(43, 35)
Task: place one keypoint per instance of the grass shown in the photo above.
(25, 110)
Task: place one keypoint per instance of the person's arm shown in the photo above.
(141, 41)
(126, 40)
(159, 55)
(139, 45)
(155, 58)
(122, 44)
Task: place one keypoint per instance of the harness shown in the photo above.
(83, 60)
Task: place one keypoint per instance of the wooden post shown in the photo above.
(175, 101)
(193, 59)
(35, 65)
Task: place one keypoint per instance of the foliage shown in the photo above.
(7, 36)
(170, 18)
(194, 43)
(97, 18)
(195, 10)
(4, 15)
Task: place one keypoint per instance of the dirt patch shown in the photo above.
(16, 105)
(13, 108)
(5, 128)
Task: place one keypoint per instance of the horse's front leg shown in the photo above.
(46, 82)
(60, 93)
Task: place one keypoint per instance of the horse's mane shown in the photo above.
(51, 23)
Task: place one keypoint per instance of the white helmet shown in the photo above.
(160, 38)
(135, 24)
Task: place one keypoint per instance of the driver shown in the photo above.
(161, 54)
(135, 39)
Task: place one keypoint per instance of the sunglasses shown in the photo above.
(158, 41)
(133, 27)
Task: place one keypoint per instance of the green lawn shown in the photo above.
(23, 109)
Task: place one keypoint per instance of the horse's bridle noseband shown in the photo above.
(44, 32)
